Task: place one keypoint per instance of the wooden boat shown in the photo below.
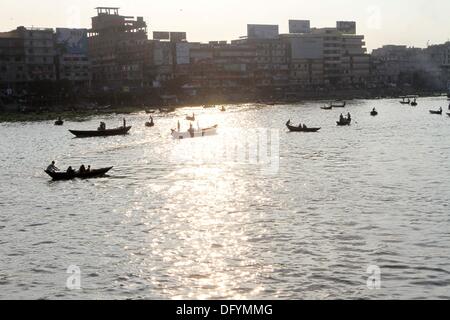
(58, 176)
(344, 122)
(327, 108)
(439, 112)
(374, 113)
(59, 123)
(195, 133)
(404, 101)
(300, 129)
(167, 110)
(338, 104)
(101, 133)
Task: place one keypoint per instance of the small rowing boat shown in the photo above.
(300, 128)
(438, 112)
(344, 122)
(327, 108)
(59, 176)
(374, 113)
(338, 104)
(101, 133)
(192, 133)
(59, 123)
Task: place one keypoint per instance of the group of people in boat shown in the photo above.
(53, 168)
(344, 119)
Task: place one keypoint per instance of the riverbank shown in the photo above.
(81, 113)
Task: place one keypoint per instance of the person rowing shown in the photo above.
(52, 167)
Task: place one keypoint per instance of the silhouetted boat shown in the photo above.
(338, 104)
(374, 113)
(167, 109)
(101, 133)
(327, 108)
(439, 112)
(58, 176)
(189, 118)
(150, 111)
(300, 129)
(344, 122)
(59, 123)
(404, 100)
(414, 103)
(195, 133)
(149, 124)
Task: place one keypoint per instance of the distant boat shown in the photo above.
(344, 122)
(438, 112)
(300, 129)
(414, 103)
(149, 124)
(101, 133)
(194, 133)
(150, 111)
(404, 101)
(374, 113)
(338, 104)
(58, 176)
(327, 108)
(189, 118)
(59, 123)
(167, 109)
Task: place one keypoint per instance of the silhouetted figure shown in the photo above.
(82, 169)
(70, 170)
(191, 131)
(52, 167)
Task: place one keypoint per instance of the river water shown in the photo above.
(177, 219)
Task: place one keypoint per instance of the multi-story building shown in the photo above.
(39, 53)
(12, 60)
(28, 54)
(72, 60)
(119, 51)
(222, 66)
(306, 60)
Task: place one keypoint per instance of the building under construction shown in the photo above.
(119, 51)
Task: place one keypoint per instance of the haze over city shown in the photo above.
(382, 22)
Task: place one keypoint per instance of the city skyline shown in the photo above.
(204, 21)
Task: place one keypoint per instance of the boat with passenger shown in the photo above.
(194, 133)
(300, 128)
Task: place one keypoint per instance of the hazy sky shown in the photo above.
(413, 22)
